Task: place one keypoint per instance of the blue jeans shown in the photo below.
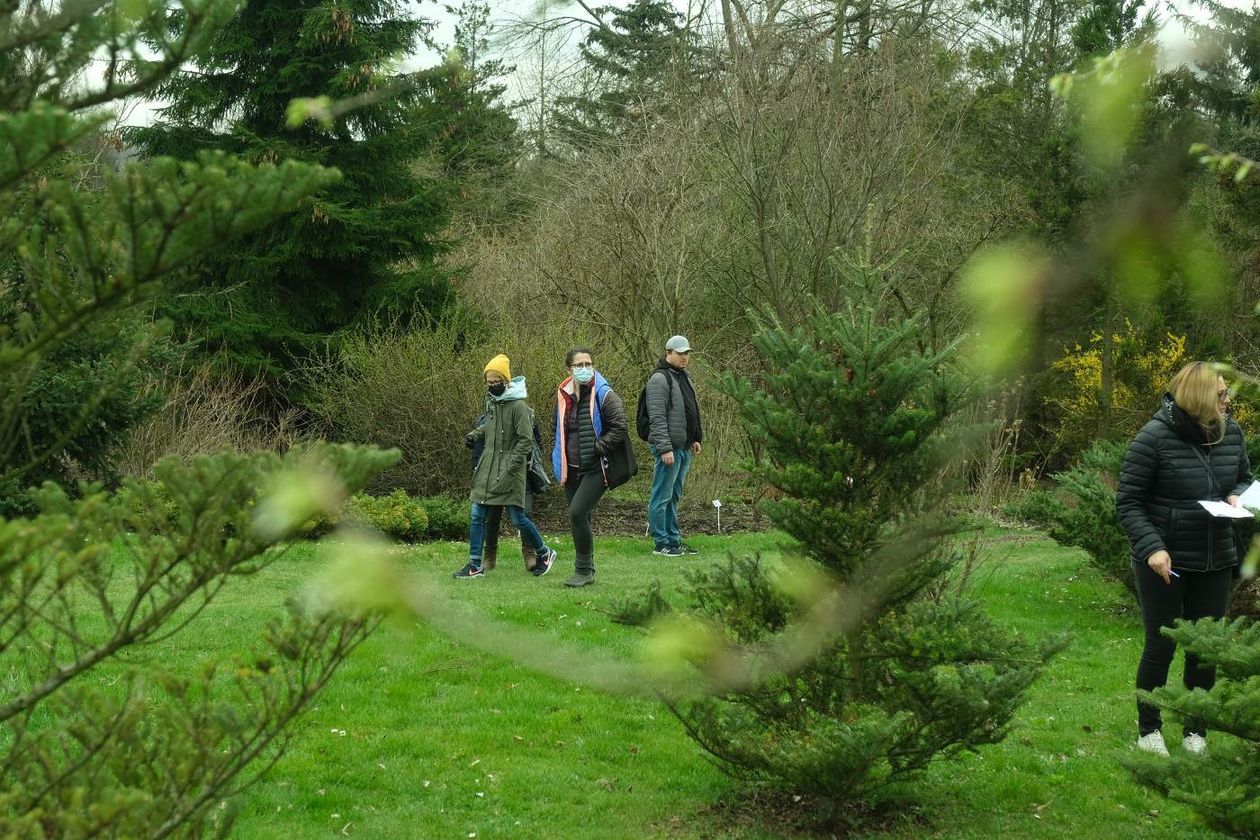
(519, 520)
(667, 489)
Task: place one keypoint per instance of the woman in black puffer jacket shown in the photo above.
(1183, 557)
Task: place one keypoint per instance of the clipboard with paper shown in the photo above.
(1248, 503)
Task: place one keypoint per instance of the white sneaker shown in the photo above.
(1152, 742)
(1194, 744)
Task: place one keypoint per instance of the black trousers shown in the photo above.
(1191, 596)
(583, 491)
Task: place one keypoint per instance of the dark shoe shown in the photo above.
(469, 571)
(544, 563)
(670, 551)
(580, 579)
(686, 549)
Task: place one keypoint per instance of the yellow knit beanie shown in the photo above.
(500, 365)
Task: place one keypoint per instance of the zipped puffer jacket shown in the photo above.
(1162, 482)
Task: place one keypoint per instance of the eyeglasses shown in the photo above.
(583, 366)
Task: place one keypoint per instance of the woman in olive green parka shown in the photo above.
(508, 438)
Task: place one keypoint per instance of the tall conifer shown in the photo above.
(368, 245)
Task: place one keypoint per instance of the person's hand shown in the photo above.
(1233, 500)
(1161, 564)
(667, 458)
(695, 448)
(470, 440)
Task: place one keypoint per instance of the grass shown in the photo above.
(421, 735)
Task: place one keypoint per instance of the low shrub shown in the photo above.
(201, 411)
(397, 515)
(1081, 511)
(449, 518)
(641, 608)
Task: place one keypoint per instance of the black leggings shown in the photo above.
(583, 492)
(1192, 595)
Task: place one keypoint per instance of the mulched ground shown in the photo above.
(628, 517)
(801, 818)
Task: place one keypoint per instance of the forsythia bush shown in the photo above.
(1142, 372)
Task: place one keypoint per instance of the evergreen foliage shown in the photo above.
(1223, 785)
(479, 146)
(367, 247)
(1081, 511)
(100, 741)
(848, 420)
(155, 746)
(642, 608)
(81, 258)
(640, 64)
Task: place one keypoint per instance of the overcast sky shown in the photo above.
(507, 12)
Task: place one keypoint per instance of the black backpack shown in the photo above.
(643, 423)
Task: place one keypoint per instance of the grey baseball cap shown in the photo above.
(678, 344)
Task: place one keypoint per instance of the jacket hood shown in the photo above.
(1183, 424)
(514, 391)
(1165, 411)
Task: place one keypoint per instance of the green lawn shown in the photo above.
(422, 735)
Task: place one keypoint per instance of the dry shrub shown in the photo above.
(742, 201)
(421, 390)
(204, 414)
(739, 203)
(414, 390)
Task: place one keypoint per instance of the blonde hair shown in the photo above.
(1194, 388)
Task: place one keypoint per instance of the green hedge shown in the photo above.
(400, 517)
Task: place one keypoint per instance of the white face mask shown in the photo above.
(583, 375)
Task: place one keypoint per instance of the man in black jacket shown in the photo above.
(674, 418)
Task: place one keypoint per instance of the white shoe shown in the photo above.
(1194, 744)
(1152, 742)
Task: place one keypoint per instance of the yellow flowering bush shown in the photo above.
(1143, 366)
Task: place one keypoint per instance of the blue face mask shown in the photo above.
(583, 375)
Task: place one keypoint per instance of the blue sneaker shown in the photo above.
(670, 551)
(469, 571)
(688, 550)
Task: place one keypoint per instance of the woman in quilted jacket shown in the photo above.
(1184, 558)
(590, 425)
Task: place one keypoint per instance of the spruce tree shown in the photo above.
(640, 65)
(369, 245)
(1222, 785)
(98, 741)
(479, 147)
(848, 421)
